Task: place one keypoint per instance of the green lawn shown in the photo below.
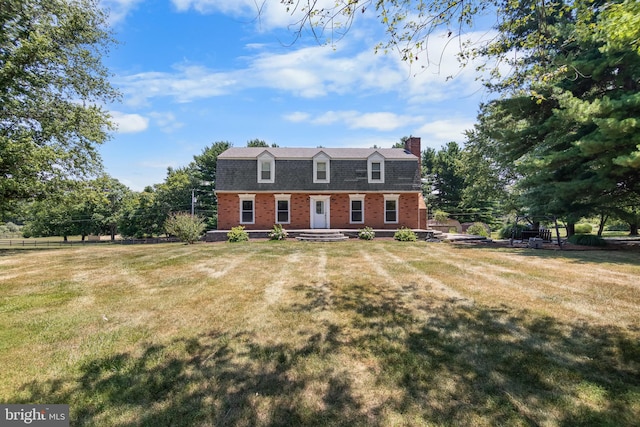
(353, 333)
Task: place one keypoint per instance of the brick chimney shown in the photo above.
(412, 145)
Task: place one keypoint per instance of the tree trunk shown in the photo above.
(571, 229)
(603, 218)
(633, 229)
(555, 222)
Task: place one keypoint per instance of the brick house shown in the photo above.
(316, 188)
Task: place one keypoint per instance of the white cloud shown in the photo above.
(235, 7)
(267, 14)
(129, 123)
(332, 117)
(297, 117)
(167, 122)
(380, 121)
(118, 9)
(186, 84)
(439, 132)
(438, 75)
(313, 72)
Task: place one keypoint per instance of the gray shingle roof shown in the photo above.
(308, 153)
(240, 174)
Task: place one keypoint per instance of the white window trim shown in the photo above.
(356, 197)
(321, 158)
(245, 197)
(396, 198)
(266, 157)
(279, 198)
(375, 158)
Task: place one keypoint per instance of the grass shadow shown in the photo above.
(598, 256)
(430, 361)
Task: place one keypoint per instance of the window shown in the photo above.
(266, 168)
(391, 208)
(356, 210)
(265, 171)
(247, 208)
(321, 171)
(283, 201)
(375, 171)
(375, 168)
(321, 168)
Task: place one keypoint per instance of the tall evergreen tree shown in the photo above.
(442, 169)
(569, 116)
(205, 166)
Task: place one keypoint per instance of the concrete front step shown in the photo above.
(221, 235)
(322, 236)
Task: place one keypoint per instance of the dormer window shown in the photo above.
(321, 171)
(375, 168)
(266, 168)
(321, 168)
(376, 171)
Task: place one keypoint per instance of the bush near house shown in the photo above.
(188, 228)
(366, 233)
(405, 235)
(237, 234)
(278, 233)
(478, 229)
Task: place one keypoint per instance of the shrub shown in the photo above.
(617, 226)
(278, 233)
(366, 233)
(237, 234)
(583, 228)
(505, 232)
(185, 227)
(27, 232)
(12, 228)
(586, 240)
(441, 217)
(478, 229)
(405, 235)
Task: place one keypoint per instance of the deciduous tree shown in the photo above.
(52, 86)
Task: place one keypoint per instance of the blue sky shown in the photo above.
(193, 72)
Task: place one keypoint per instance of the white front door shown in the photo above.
(320, 212)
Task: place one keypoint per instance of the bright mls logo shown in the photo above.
(35, 415)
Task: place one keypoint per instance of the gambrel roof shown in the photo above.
(237, 169)
(308, 153)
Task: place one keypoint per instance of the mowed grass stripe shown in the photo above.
(581, 288)
(355, 333)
